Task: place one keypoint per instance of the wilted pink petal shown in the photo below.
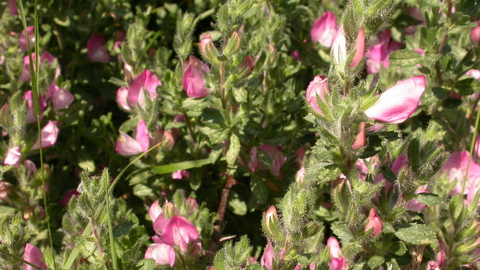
(248, 64)
(475, 33)
(31, 168)
(324, 29)
(127, 146)
(13, 156)
(34, 256)
(60, 97)
(416, 14)
(300, 175)
(193, 79)
(433, 265)
(97, 52)
(49, 135)
(374, 223)
(399, 102)
(178, 231)
(317, 87)
(23, 39)
(268, 254)
(180, 174)
(162, 254)
(442, 255)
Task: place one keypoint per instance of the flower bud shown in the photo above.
(317, 87)
(97, 52)
(359, 49)
(271, 224)
(374, 223)
(247, 65)
(399, 102)
(360, 139)
(339, 50)
(233, 44)
(324, 29)
(208, 50)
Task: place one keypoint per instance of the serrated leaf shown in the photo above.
(342, 231)
(375, 261)
(238, 206)
(398, 248)
(467, 86)
(146, 264)
(404, 58)
(240, 95)
(233, 151)
(417, 234)
(429, 199)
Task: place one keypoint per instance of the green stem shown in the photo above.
(113, 250)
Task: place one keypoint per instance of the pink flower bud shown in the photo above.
(23, 39)
(359, 49)
(34, 256)
(60, 97)
(155, 210)
(13, 156)
(360, 140)
(324, 29)
(248, 64)
(334, 247)
(475, 33)
(178, 231)
(207, 48)
(339, 49)
(317, 87)
(180, 174)
(162, 254)
(442, 255)
(374, 223)
(271, 216)
(49, 134)
(193, 79)
(399, 102)
(97, 52)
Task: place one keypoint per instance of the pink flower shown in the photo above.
(68, 196)
(97, 52)
(49, 135)
(374, 223)
(31, 117)
(456, 169)
(13, 156)
(162, 254)
(129, 97)
(359, 49)
(180, 174)
(268, 255)
(276, 156)
(12, 5)
(34, 256)
(193, 79)
(317, 88)
(324, 29)
(337, 261)
(475, 33)
(127, 146)
(155, 210)
(23, 39)
(378, 53)
(178, 231)
(248, 64)
(399, 102)
(60, 97)
(45, 57)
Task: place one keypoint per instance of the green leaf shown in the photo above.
(237, 204)
(240, 95)
(429, 199)
(467, 87)
(6, 210)
(375, 261)
(164, 169)
(342, 231)
(217, 150)
(213, 116)
(122, 228)
(146, 264)
(233, 152)
(398, 248)
(404, 58)
(417, 234)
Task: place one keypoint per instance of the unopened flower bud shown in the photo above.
(360, 139)
(233, 44)
(169, 210)
(359, 49)
(374, 223)
(339, 50)
(247, 66)
(271, 224)
(317, 88)
(208, 50)
(475, 33)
